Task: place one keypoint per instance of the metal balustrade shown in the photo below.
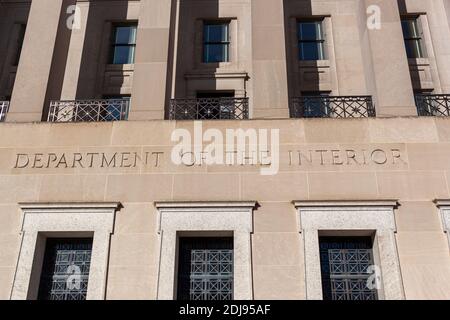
(435, 105)
(4, 106)
(332, 107)
(89, 110)
(209, 109)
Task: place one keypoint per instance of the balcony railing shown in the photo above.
(436, 105)
(4, 106)
(89, 110)
(332, 107)
(209, 109)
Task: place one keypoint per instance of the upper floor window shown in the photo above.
(216, 42)
(123, 44)
(20, 39)
(311, 40)
(412, 34)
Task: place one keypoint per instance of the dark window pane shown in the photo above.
(310, 31)
(123, 55)
(216, 33)
(413, 38)
(125, 35)
(413, 49)
(409, 29)
(216, 42)
(311, 41)
(311, 51)
(216, 53)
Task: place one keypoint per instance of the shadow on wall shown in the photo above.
(59, 62)
(190, 51)
(295, 11)
(13, 20)
(96, 57)
(414, 71)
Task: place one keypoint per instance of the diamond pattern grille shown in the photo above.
(344, 265)
(4, 106)
(332, 107)
(209, 109)
(433, 105)
(89, 110)
(65, 270)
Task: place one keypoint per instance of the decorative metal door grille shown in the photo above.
(89, 110)
(206, 269)
(209, 109)
(433, 105)
(65, 270)
(4, 106)
(344, 265)
(332, 107)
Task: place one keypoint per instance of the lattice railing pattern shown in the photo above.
(436, 105)
(332, 107)
(209, 109)
(89, 110)
(211, 275)
(66, 272)
(4, 106)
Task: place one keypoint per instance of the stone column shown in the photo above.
(390, 265)
(312, 264)
(167, 268)
(152, 57)
(270, 88)
(440, 36)
(21, 287)
(30, 87)
(390, 77)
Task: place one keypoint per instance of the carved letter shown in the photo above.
(24, 164)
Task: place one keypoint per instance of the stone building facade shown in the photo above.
(224, 149)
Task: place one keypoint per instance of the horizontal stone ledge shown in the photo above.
(345, 203)
(205, 204)
(30, 206)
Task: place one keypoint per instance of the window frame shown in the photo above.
(213, 219)
(226, 43)
(320, 42)
(350, 218)
(417, 38)
(113, 44)
(64, 220)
